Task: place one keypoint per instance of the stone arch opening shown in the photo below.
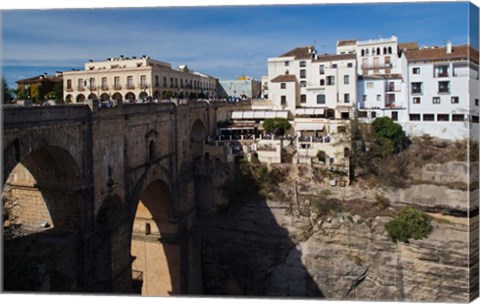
(117, 96)
(197, 138)
(43, 194)
(92, 96)
(156, 95)
(80, 98)
(154, 245)
(130, 96)
(104, 97)
(143, 95)
(68, 98)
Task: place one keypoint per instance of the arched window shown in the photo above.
(384, 50)
(389, 49)
(366, 52)
(151, 150)
(363, 52)
(373, 51)
(378, 51)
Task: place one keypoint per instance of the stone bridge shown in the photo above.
(105, 196)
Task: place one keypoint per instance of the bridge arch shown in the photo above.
(44, 187)
(154, 241)
(197, 138)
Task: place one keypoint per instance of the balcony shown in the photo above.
(117, 87)
(370, 66)
(104, 88)
(69, 90)
(80, 89)
(130, 86)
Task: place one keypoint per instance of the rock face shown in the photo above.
(272, 249)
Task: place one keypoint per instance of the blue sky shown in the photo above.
(225, 42)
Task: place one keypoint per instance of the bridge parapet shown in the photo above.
(17, 116)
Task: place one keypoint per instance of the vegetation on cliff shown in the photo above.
(409, 223)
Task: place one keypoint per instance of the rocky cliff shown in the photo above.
(270, 248)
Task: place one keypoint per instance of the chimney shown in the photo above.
(449, 47)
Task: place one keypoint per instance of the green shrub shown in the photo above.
(410, 223)
(321, 155)
(272, 124)
(382, 201)
(388, 130)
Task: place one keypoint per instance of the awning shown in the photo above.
(248, 114)
(262, 114)
(308, 126)
(319, 111)
(237, 114)
(259, 114)
(309, 111)
(282, 114)
(300, 111)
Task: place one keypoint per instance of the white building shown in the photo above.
(134, 78)
(243, 87)
(442, 91)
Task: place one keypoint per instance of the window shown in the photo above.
(69, 84)
(181, 83)
(143, 81)
(130, 82)
(416, 100)
(364, 98)
(362, 52)
(428, 117)
(414, 117)
(349, 65)
(443, 86)
(303, 98)
(342, 129)
(303, 64)
(440, 71)
(320, 99)
(104, 83)
(443, 117)
(455, 99)
(171, 82)
(389, 49)
(416, 71)
(157, 82)
(346, 79)
(303, 73)
(322, 69)
(436, 100)
(322, 82)
(334, 66)
(476, 101)
(395, 116)
(475, 118)
(287, 63)
(373, 114)
(303, 84)
(176, 82)
(283, 100)
(80, 84)
(370, 85)
(379, 97)
(457, 117)
(283, 85)
(165, 81)
(116, 83)
(362, 114)
(330, 80)
(346, 98)
(416, 87)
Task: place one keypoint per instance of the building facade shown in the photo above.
(244, 87)
(133, 79)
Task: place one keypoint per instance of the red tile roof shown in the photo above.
(458, 52)
(303, 52)
(408, 46)
(285, 78)
(331, 57)
(346, 42)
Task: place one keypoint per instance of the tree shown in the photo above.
(390, 134)
(277, 125)
(410, 223)
(7, 92)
